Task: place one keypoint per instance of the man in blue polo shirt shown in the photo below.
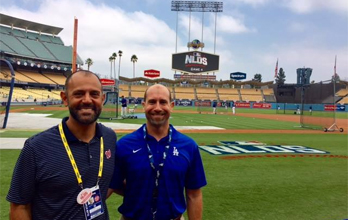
(156, 164)
(65, 171)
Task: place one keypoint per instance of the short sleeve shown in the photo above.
(195, 178)
(119, 171)
(22, 188)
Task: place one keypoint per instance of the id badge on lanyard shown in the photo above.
(89, 198)
(94, 206)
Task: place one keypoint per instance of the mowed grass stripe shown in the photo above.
(256, 188)
(230, 122)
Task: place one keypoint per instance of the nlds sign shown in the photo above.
(195, 62)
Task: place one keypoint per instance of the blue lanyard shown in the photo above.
(158, 170)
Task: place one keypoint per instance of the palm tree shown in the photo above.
(114, 55)
(134, 59)
(119, 64)
(111, 59)
(89, 63)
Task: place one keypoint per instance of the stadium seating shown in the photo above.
(268, 95)
(228, 94)
(252, 98)
(124, 90)
(5, 74)
(43, 94)
(16, 45)
(33, 76)
(138, 88)
(31, 35)
(344, 101)
(63, 53)
(184, 93)
(19, 76)
(35, 45)
(57, 78)
(342, 92)
(251, 95)
(268, 91)
(229, 97)
(206, 93)
(37, 48)
(37, 77)
(28, 95)
(137, 91)
(124, 87)
(136, 94)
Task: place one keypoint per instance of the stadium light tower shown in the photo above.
(196, 6)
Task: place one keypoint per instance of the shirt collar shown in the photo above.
(149, 137)
(70, 137)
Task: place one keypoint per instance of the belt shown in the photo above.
(125, 218)
(177, 218)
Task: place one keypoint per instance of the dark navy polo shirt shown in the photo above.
(182, 169)
(44, 177)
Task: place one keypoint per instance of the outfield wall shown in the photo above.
(255, 105)
(209, 104)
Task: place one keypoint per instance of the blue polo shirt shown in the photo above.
(124, 102)
(182, 169)
(44, 177)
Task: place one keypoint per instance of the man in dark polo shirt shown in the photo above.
(64, 172)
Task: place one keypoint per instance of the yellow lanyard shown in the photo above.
(72, 160)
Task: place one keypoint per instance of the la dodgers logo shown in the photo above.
(175, 152)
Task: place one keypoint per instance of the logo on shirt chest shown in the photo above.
(108, 154)
(175, 152)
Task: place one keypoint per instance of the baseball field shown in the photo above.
(259, 165)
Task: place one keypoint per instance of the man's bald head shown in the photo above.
(156, 86)
(80, 72)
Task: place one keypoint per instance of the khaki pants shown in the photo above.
(124, 218)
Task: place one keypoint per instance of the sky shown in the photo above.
(251, 35)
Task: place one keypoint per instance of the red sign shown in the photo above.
(107, 82)
(329, 107)
(152, 73)
(262, 105)
(242, 104)
(203, 103)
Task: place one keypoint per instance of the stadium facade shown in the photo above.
(42, 62)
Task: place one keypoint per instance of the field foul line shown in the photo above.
(283, 156)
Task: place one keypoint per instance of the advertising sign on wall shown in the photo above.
(107, 82)
(196, 76)
(151, 73)
(183, 103)
(332, 107)
(203, 103)
(242, 104)
(222, 104)
(238, 76)
(262, 105)
(195, 62)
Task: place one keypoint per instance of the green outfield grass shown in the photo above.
(307, 188)
(265, 188)
(64, 112)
